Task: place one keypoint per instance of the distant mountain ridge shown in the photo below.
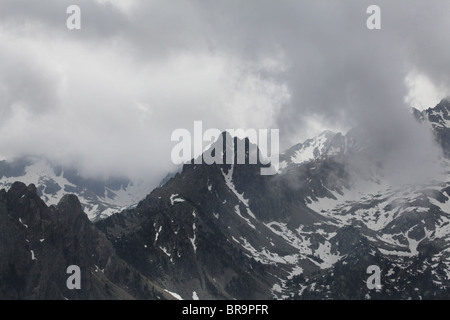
(326, 144)
(99, 198)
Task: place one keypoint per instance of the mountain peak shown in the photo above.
(446, 100)
(327, 133)
(32, 188)
(439, 116)
(228, 149)
(444, 104)
(69, 202)
(327, 143)
(20, 189)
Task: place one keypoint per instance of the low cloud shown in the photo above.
(107, 97)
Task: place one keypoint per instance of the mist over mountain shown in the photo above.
(224, 231)
(87, 178)
(106, 98)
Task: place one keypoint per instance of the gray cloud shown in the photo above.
(110, 94)
(25, 84)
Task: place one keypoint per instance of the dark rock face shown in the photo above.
(182, 236)
(38, 243)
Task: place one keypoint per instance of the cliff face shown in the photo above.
(38, 243)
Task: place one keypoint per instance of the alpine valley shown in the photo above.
(227, 232)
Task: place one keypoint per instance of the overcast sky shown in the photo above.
(107, 97)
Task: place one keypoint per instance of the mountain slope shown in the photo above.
(188, 235)
(38, 243)
(315, 228)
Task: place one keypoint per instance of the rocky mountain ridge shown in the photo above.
(227, 232)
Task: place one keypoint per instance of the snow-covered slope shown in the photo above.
(326, 144)
(99, 198)
(404, 229)
(438, 117)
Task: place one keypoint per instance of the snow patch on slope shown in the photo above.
(240, 196)
(173, 294)
(174, 198)
(194, 246)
